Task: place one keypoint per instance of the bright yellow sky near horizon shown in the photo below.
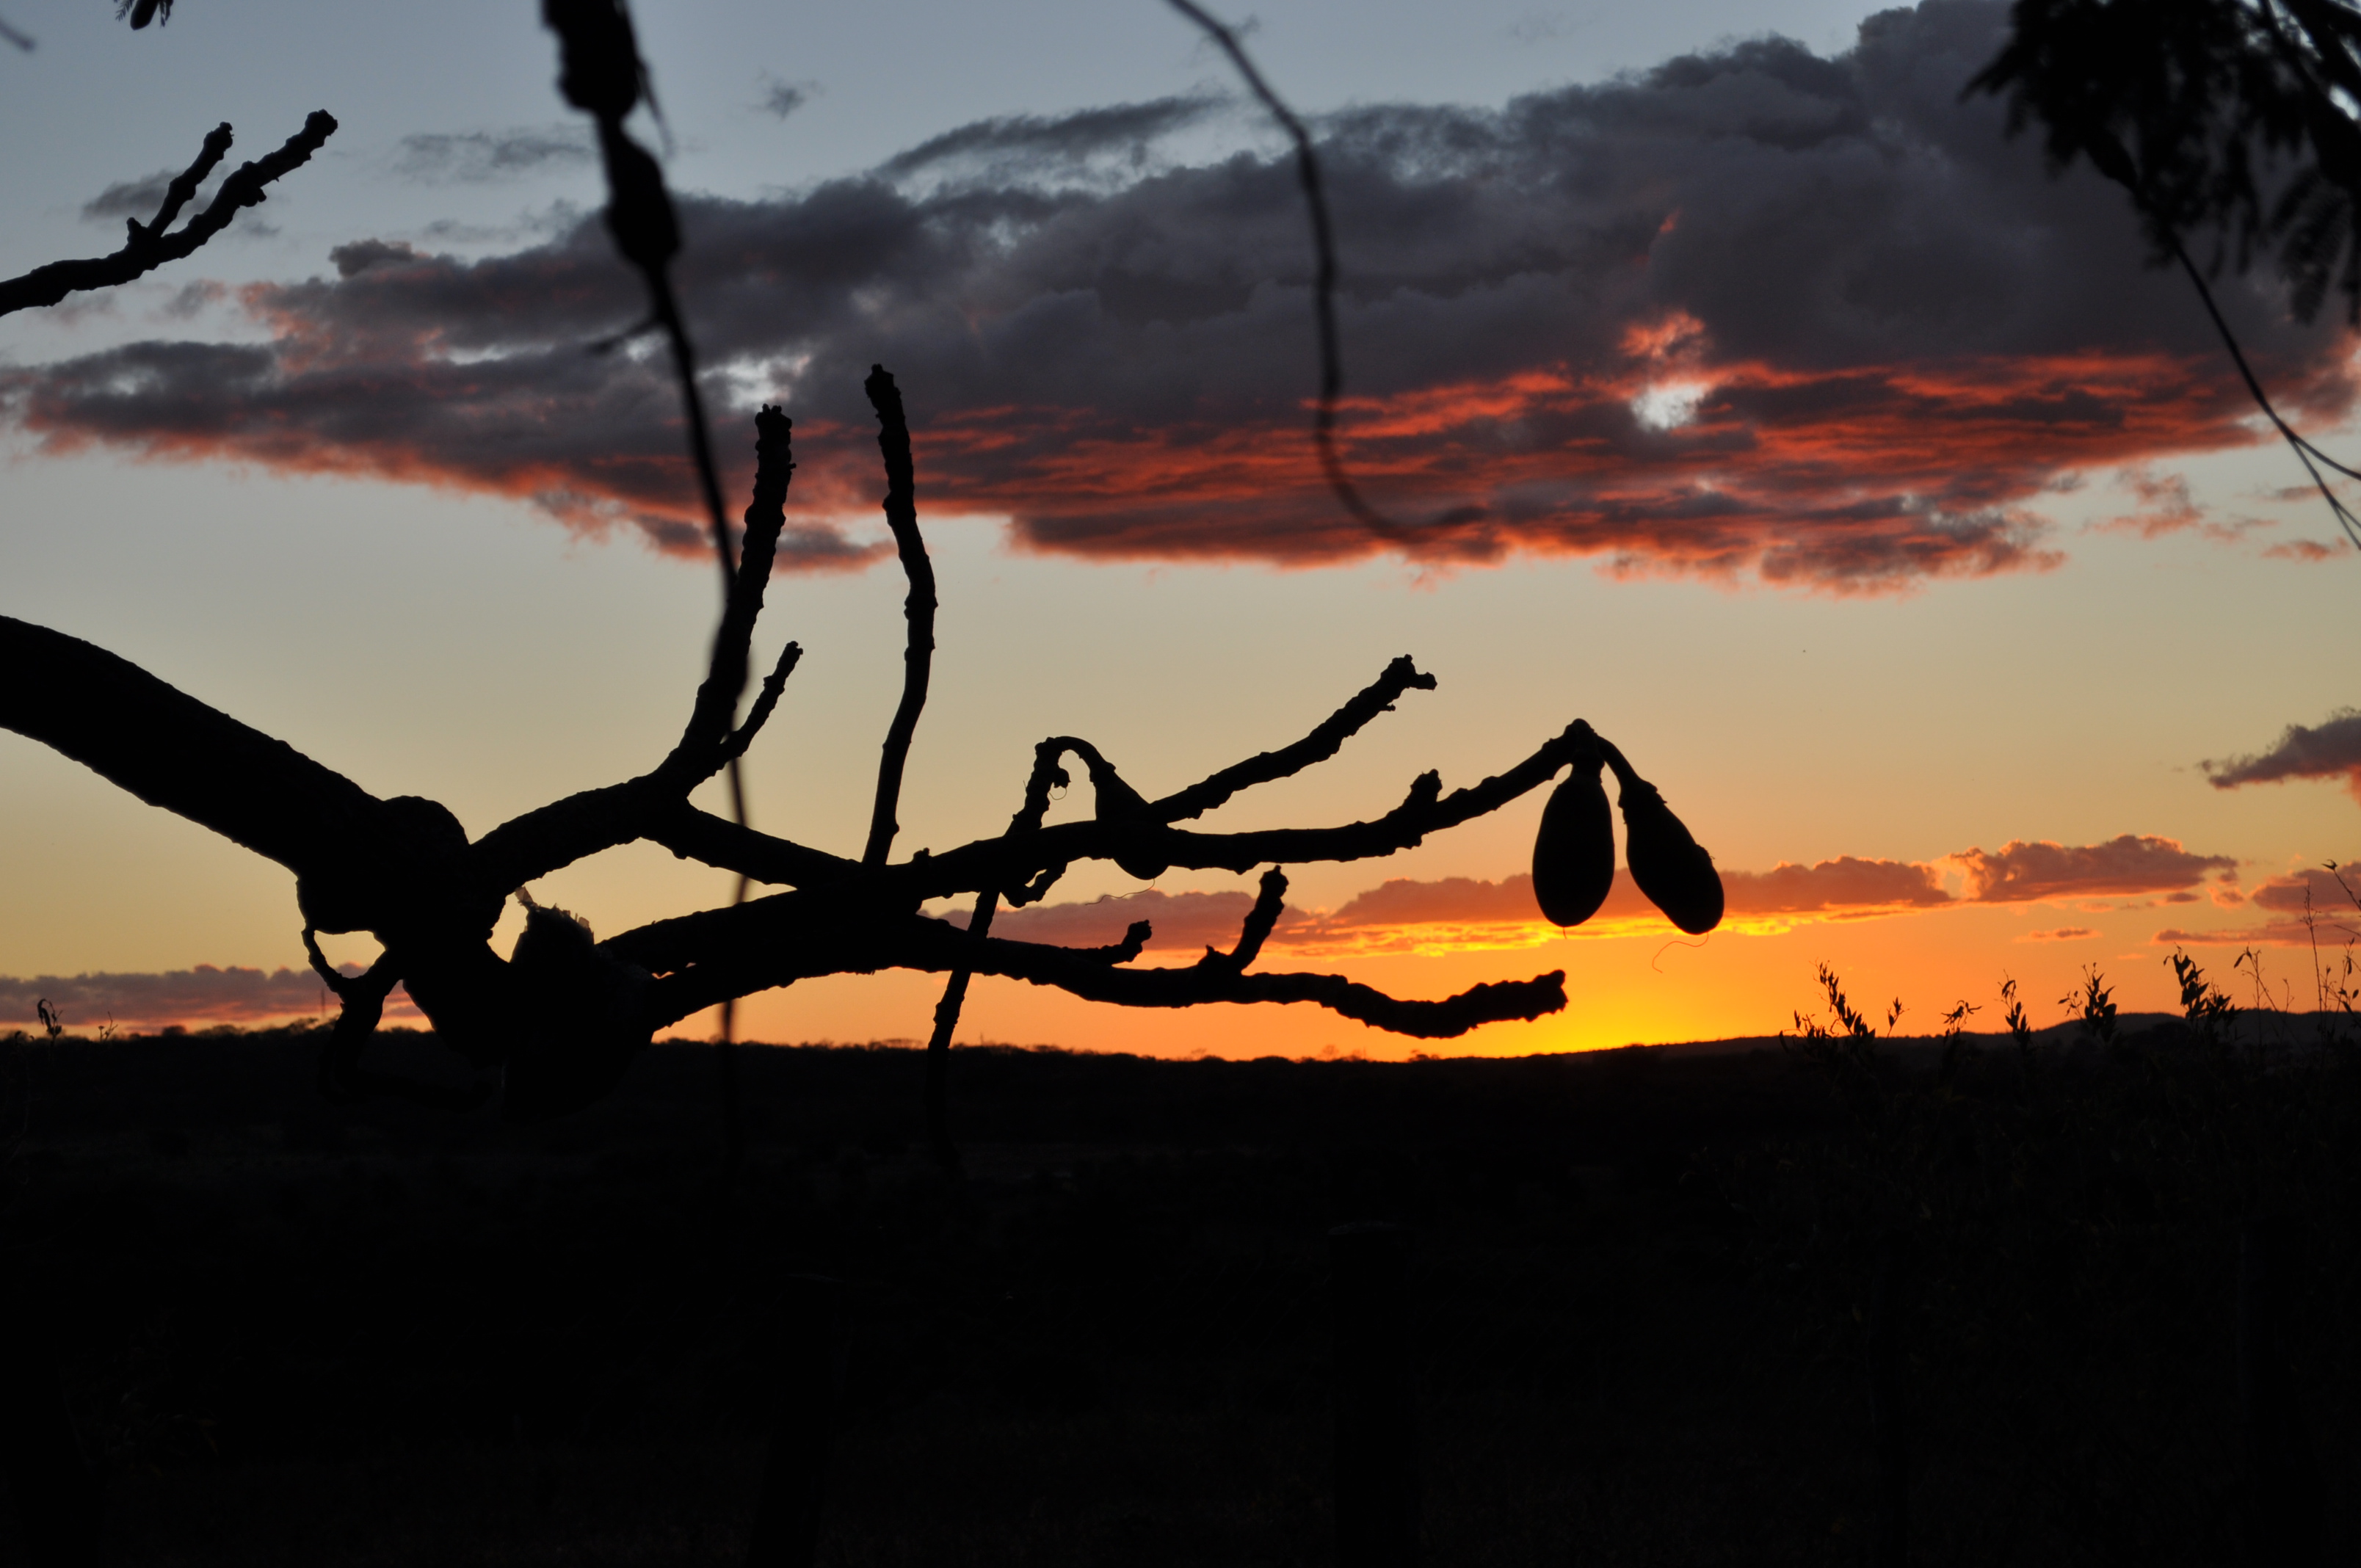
(429, 638)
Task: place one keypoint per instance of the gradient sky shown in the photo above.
(1757, 400)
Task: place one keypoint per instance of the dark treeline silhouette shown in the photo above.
(1643, 1312)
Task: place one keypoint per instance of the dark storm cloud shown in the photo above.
(2329, 750)
(1753, 313)
(477, 157)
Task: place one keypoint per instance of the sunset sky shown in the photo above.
(1748, 393)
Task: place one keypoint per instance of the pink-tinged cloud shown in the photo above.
(2322, 890)
(2329, 935)
(2314, 906)
(1464, 912)
(203, 995)
(2311, 551)
(1467, 913)
(2330, 750)
(1818, 322)
(1830, 887)
(2165, 503)
(1844, 884)
(2044, 870)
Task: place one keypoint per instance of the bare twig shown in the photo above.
(696, 835)
(1425, 810)
(704, 743)
(1323, 744)
(1268, 901)
(2108, 157)
(794, 936)
(148, 247)
(1011, 864)
(1046, 775)
(938, 1093)
(764, 701)
(917, 610)
(1324, 290)
(539, 841)
(2305, 452)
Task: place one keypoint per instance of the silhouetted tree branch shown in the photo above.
(560, 1017)
(149, 246)
(917, 610)
(404, 869)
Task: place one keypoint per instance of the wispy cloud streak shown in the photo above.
(198, 996)
(1470, 914)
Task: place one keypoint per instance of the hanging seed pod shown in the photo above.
(1670, 868)
(1115, 801)
(1574, 853)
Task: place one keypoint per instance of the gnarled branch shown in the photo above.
(797, 936)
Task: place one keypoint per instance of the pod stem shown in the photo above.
(1627, 777)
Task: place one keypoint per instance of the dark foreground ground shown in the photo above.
(304, 1335)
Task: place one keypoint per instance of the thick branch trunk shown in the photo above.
(173, 751)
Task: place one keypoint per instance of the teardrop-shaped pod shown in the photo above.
(1574, 853)
(1670, 866)
(1115, 801)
